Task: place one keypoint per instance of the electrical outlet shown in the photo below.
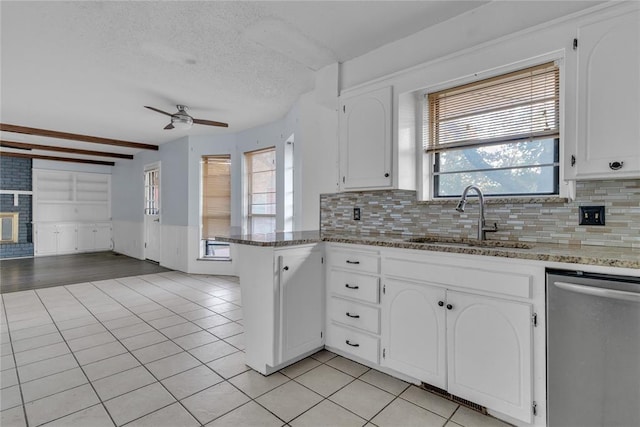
(591, 215)
(356, 214)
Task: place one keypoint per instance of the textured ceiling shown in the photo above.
(89, 67)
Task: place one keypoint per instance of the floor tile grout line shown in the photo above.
(144, 365)
(101, 401)
(289, 379)
(223, 380)
(197, 288)
(194, 302)
(79, 365)
(24, 408)
(178, 314)
(172, 293)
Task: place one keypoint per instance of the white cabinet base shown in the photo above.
(283, 312)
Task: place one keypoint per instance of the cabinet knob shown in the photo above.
(353, 316)
(348, 286)
(615, 165)
(352, 344)
(449, 306)
(285, 268)
(386, 175)
(440, 303)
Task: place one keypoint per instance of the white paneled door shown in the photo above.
(152, 213)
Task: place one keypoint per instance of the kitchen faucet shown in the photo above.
(482, 228)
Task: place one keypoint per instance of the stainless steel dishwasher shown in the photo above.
(593, 350)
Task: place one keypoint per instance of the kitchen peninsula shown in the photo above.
(366, 296)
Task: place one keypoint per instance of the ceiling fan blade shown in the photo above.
(210, 123)
(158, 111)
(169, 126)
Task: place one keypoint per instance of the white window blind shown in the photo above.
(522, 105)
(216, 196)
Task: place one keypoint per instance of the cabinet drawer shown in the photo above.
(354, 314)
(356, 261)
(356, 343)
(354, 285)
(480, 279)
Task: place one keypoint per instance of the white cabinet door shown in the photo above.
(365, 140)
(608, 101)
(413, 331)
(46, 239)
(102, 235)
(301, 303)
(489, 347)
(67, 238)
(86, 237)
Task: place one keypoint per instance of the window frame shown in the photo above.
(248, 193)
(209, 242)
(426, 164)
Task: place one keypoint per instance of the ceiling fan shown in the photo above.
(182, 120)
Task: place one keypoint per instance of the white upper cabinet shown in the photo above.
(608, 100)
(366, 140)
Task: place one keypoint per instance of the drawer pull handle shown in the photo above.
(353, 262)
(353, 316)
(351, 344)
(348, 286)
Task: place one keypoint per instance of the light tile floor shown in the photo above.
(167, 350)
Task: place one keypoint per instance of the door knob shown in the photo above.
(440, 303)
(285, 268)
(449, 306)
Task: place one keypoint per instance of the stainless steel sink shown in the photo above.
(435, 240)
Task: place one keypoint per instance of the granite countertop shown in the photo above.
(609, 256)
(273, 239)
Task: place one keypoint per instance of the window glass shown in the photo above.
(261, 191)
(216, 205)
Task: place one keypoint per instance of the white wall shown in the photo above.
(317, 145)
(181, 187)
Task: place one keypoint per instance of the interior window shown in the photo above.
(216, 205)
(261, 191)
(501, 134)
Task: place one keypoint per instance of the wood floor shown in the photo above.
(44, 272)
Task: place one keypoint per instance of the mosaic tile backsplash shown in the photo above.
(526, 220)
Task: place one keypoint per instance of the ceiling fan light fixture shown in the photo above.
(181, 122)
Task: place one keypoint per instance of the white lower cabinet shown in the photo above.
(473, 346)
(353, 309)
(413, 331)
(282, 303)
(301, 316)
(358, 344)
(54, 239)
(94, 237)
(462, 323)
(489, 349)
(67, 238)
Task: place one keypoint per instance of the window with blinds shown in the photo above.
(216, 196)
(501, 134)
(261, 191)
